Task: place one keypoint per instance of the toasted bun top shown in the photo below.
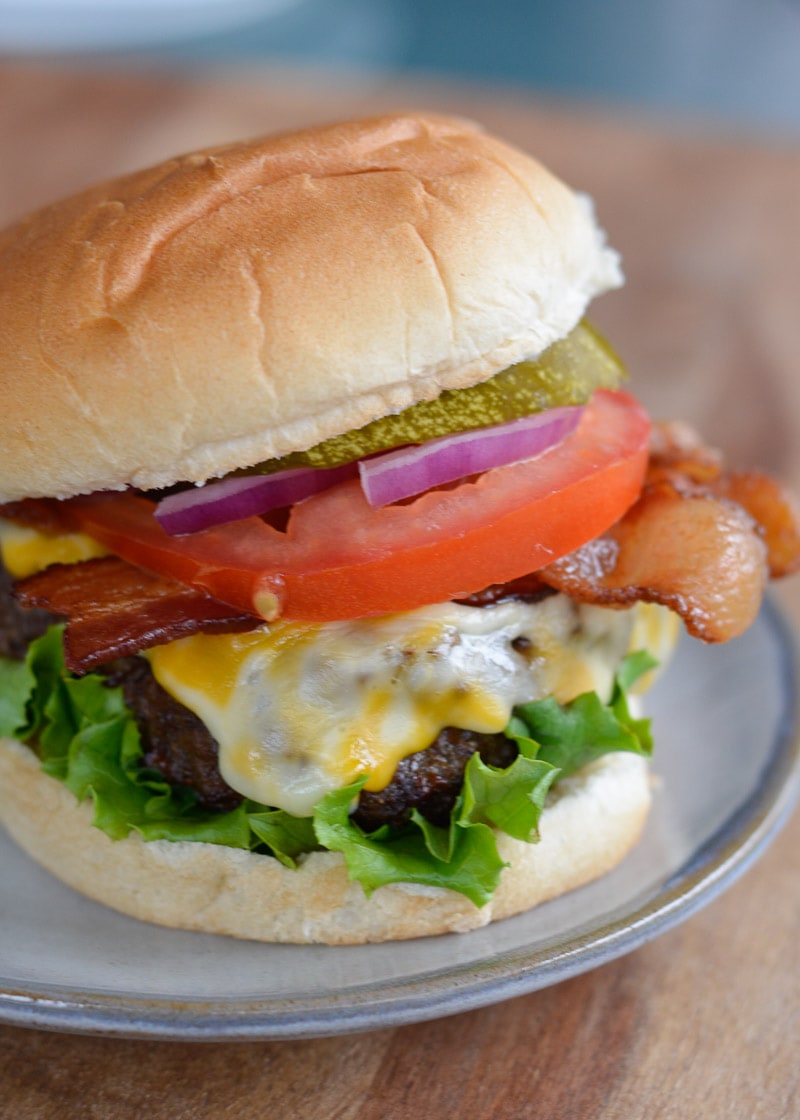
(238, 303)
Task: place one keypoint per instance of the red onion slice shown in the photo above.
(412, 470)
(384, 478)
(234, 499)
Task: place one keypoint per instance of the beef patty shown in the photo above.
(19, 626)
(178, 744)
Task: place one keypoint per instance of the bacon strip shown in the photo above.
(701, 557)
(699, 540)
(114, 609)
(774, 511)
(678, 457)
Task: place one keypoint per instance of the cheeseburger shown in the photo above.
(333, 544)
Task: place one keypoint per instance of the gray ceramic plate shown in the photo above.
(728, 766)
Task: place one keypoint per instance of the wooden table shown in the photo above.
(701, 1022)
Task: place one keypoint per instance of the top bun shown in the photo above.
(242, 302)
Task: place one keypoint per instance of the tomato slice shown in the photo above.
(339, 558)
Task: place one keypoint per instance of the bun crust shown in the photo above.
(242, 302)
(590, 823)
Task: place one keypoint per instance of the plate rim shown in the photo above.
(715, 865)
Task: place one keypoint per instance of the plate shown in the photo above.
(728, 771)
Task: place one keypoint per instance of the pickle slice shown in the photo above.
(566, 373)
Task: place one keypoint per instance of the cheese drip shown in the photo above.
(300, 709)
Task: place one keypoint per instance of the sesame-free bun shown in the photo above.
(589, 824)
(238, 303)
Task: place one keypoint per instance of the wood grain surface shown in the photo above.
(704, 1021)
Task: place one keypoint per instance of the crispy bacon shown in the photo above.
(678, 457)
(699, 540)
(114, 609)
(775, 512)
(699, 556)
(530, 589)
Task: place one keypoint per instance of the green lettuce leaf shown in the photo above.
(287, 837)
(511, 799)
(25, 686)
(463, 857)
(569, 736)
(17, 685)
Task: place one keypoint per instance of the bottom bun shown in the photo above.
(590, 822)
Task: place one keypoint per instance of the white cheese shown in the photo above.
(299, 709)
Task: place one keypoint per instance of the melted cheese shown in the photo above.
(299, 709)
(26, 551)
